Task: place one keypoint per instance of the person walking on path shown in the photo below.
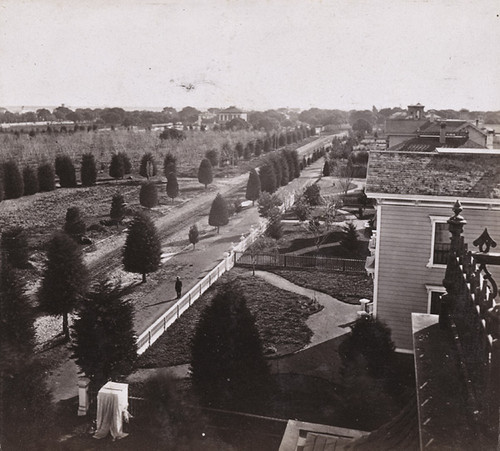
(178, 287)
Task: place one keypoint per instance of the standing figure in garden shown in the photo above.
(178, 287)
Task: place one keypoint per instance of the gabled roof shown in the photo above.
(403, 126)
(430, 144)
(471, 175)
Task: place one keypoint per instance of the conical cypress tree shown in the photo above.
(205, 176)
(118, 210)
(148, 196)
(46, 177)
(65, 170)
(13, 184)
(267, 178)
(142, 252)
(296, 164)
(172, 186)
(117, 167)
(65, 278)
(228, 368)
(30, 178)
(15, 247)
(253, 186)
(276, 165)
(169, 165)
(148, 165)
(104, 342)
(75, 225)
(219, 215)
(88, 170)
(326, 169)
(127, 165)
(285, 172)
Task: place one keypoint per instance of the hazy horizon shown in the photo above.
(255, 54)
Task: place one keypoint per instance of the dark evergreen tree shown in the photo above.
(228, 368)
(312, 194)
(65, 279)
(169, 165)
(25, 403)
(326, 169)
(148, 166)
(15, 247)
(219, 215)
(118, 208)
(282, 140)
(267, 178)
(75, 225)
(285, 177)
(13, 184)
(88, 170)
(267, 202)
(275, 227)
(172, 186)
(350, 239)
(205, 176)
(239, 149)
(104, 342)
(296, 164)
(65, 170)
(116, 167)
(253, 186)
(148, 196)
(259, 145)
(275, 161)
(267, 145)
(142, 252)
(30, 178)
(46, 177)
(127, 165)
(194, 235)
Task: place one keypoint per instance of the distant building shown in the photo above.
(231, 113)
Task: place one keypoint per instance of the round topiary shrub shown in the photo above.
(65, 170)
(148, 196)
(46, 177)
(30, 178)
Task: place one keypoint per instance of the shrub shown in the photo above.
(148, 165)
(312, 195)
(118, 209)
(46, 177)
(13, 184)
(75, 226)
(172, 186)
(30, 179)
(117, 167)
(194, 235)
(148, 196)
(267, 202)
(89, 170)
(127, 165)
(205, 175)
(219, 215)
(65, 170)
(275, 227)
(169, 165)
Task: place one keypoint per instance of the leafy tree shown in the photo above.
(302, 208)
(104, 342)
(267, 178)
(15, 247)
(253, 187)
(65, 170)
(169, 165)
(148, 196)
(65, 278)
(213, 156)
(172, 186)
(142, 253)
(219, 215)
(267, 202)
(118, 210)
(117, 167)
(172, 133)
(30, 179)
(228, 368)
(75, 225)
(25, 407)
(88, 170)
(362, 126)
(13, 184)
(148, 166)
(275, 227)
(349, 239)
(205, 176)
(194, 235)
(46, 177)
(127, 165)
(312, 194)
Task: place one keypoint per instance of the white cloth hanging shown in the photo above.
(112, 403)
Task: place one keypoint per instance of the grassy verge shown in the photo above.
(280, 317)
(344, 286)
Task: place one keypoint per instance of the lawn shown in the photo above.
(280, 317)
(344, 286)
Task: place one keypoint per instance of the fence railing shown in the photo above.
(299, 261)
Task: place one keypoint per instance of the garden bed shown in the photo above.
(280, 317)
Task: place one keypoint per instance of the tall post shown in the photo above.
(456, 227)
(83, 396)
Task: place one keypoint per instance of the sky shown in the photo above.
(255, 54)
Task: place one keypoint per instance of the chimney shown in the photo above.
(442, 133)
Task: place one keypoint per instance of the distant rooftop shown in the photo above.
(471, 174)
(231, 109)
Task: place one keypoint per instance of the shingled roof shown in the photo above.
(471, 175)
